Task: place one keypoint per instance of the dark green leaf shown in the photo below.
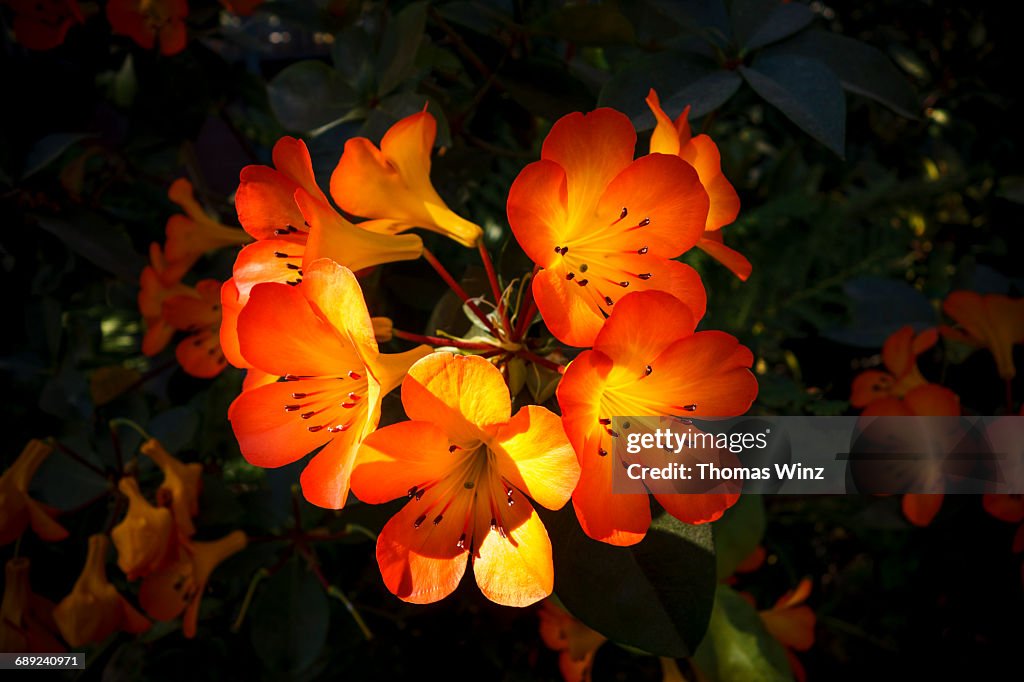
(748, 16)
(48, 149)
(705, 94)
(738, 533)
(669, 73)
(737, 647)
(352, 54)
(878, 307)
(589, 25)
(782, 22)
(308, 95)
(655, 596)
(397, 57)
(807, 92)
(708, 17)
(862, 69)
(174, 428)
(546, 88)
(290, 617)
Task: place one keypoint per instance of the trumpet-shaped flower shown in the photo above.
(179, 587)
(989, 321)
(94, 610)
(320, 340)
(674, 137)
(602, 225)
(145, 536)
(468, 467)
(647, 361)
(26, 619)
(148, 22)
(391, 185)
(17, 509)
(792, 622)
(575, 642)
(199, 314)
(180, 488)
(43, 25)
(196, 232)
(294, 224)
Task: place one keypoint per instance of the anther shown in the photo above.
(291, 408)
(453, 448)
(644, 276)
(353, 396)
(461, 544)
(337, 429)
(613, 434)
(280, 255)
(584, 267)
(354, 375)
(625, 212)
(307, 415)
(468, 485)
(608, 300)
(290, 377)
(570, 275)
(623, 284)
(583, 282)
(604, 421)
(438, 519)
(419, 521)
(602, 452)
(298, 396)
(692, 407)
(647, 370)
(292, 266)
(314, 429)
(494, 524)
(412, 490)
(419, 494)
(642, 251)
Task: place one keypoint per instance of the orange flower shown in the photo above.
(149, 21)
(675, 138)
(180, 488)
(145, 536)
(467, 465)
(191, 235)
(157, 283)
(295, 224)
(43, 25)
(26, 619)
(17, 509)
(991, 321)
(94, 610)
(903, 391)
(391, 185)
(647, 360)
(179, 587)
(320, 339)
(792, 623)
(603, 225)
(576, 642)
(199, 314)
(1009, 508)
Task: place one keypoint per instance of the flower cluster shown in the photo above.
(604, 230)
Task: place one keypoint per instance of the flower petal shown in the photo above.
(268, 260)
(514, 570)
(334, 292)
(724, 206)
(536, 210)
(268, 435)
(711, 244)
(693, 508)
(535, 455)
(395, 458)
(921, 509)
(898, 353)
(462, 394)
(932, 400)
(642, 325)
(666, 136)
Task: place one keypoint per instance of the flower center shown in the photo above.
(331, 403)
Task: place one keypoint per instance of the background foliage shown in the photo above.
(876, 150)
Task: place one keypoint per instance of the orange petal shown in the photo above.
(921, 509)
(995, 321)
(793, 627)
(887, 407)
(395, 458)
(230, 306)
(730, 258)
(165, 593)
(334, 293)
(665, 138)
(536, 209)
(690, 508)
(535, 455)
(571, 316)
(325, 480)
(333, 237)
(200, 355)
(925, 340)
(642, 325)
(667, 192)
(279, 332)
(870, 386)
(268, 260)
(703, 154)
(616, 518)
(514, 570)
(932, 400)
(265, 197)
(424, 564)
(254, 378)
(268, 435)
(592, 149)
(42, 522)
(1008, 508)
(898, 353)
(465, 395)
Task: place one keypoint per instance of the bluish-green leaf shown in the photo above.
(878, 307)
(783, 21)
(861, 68)
(655, 596)
(309, 95)
(737, 647)
(397, 57)
(806, 91)
(669, 73)
(738, 533)
(600, 24)
(48, 149)
(704, 95)
(290, 618)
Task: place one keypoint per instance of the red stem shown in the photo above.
(441, 341)
(543, 362)
(459, 291)
(499, 300)
(526, 311)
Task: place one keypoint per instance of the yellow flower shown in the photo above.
(94, 610)
(26, 619)
(17, 509)
(181, 487)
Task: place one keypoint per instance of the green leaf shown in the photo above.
(99, 242)
(862, 69)
(878, 307)
(309, 95)
(655, 596)
(596, 25)
(704, 95)
(737, 646)
(48, 149)
(738, 533)
(397, 57)
(352, 55)
(806, 91)
(673, 75)
(782, 22)
(290, 617)
(747, 16)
